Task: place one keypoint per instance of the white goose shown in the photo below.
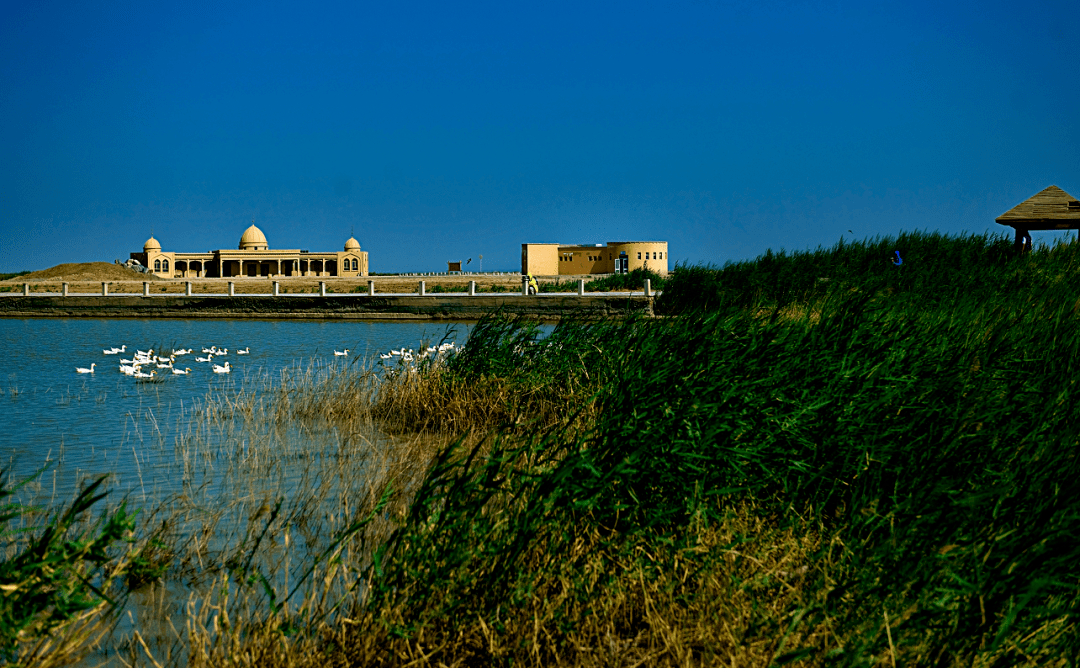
(181, 372)
(140, 374)
(341, 354)
(90, 370)
(222, 369)
(116, 351)
(204, 359)
(245, 351)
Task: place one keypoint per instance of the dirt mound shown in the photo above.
(85, 271)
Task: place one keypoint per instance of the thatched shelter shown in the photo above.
(1049, 209)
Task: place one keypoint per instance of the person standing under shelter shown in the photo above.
(1023, 241)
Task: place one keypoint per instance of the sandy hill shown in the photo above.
(85, 271)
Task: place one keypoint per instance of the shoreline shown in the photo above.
(443, 306)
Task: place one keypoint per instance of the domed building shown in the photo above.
(253, 239)
(253, 258)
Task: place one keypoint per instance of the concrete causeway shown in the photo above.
(440, 306)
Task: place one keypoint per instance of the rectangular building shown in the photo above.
(551, 259)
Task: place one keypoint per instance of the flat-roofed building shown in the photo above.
(552, 259)
(253, 258)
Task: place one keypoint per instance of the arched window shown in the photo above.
(165, 265)
(157, 265)
(356, 264)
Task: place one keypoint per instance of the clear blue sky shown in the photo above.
(440, 131)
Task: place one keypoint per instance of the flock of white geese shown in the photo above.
(407, 358)
(145, 365)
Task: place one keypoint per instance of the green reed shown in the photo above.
(927, 432)
(60, 580)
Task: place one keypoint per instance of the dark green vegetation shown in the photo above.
(917, 424)
(4, 277)
(823, 458)
(634, 280)
(937, 271)
(61, 580)
(439, 288)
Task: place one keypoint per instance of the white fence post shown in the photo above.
(232, 289)
(188, 291)
(146, 289)
(472, 288)
(581, 287)
(64, 289)
(275, 288)
(371, 288)
(322, 288)
(26, 289)
(422, 288)
(525, 286)
(648, 288)
(104, 289)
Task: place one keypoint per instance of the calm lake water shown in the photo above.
(168, 456)
(86, 424)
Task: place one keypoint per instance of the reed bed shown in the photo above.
(874, 469)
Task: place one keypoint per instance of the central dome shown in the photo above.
(151, 244)
(352, 244)
(253, 239)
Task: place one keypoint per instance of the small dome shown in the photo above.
(253, 239)
(151, 245)
(352, 244)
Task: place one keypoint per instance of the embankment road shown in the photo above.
(446, 306)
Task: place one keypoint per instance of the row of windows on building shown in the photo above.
(354, 265)
(569, 257)
(161, 265)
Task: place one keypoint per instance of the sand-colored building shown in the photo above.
(253, 258)
(615, 257)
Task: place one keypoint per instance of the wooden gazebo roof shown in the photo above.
(1050, 209)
